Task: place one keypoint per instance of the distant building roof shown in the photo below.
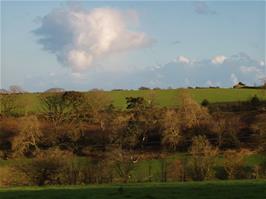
(239, 85)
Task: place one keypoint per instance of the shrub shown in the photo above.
(259, 128)
(234, 163)
(202, 159)
(176, 171)
(193, 115)
(255, 101)
(261, 169)
(227, 129)
(8, 129)
(123, 163)
(171, 130)
(28, 137)
(144, 88)
(11, 177)
(86, 171)
(45, 168)
(9, 104)
(205, 102)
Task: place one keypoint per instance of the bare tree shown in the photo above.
(171, 129)
(66, 112)
(123, 162)
(233, 163)
(53, 109)
(98, 102)
(16, 89)
(28, 137)
(191, 113)
(227, 129)
(176, 170)
(202, 158)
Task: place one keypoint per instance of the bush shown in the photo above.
(123, 163)
(45, 168)
(205, 102)
(11, 177)
(255, 101)
(262, 169)
(8, 129)
(176, 171)
(26, 141)
(144, 88)
(234, 163)
(171, 135)
(259, 128)
(202, 159)
(86, 171)
(227, 129)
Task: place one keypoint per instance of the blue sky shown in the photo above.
(131, 44)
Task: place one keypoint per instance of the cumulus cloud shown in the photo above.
(80, 37)
(204, 72)
(218, 59)
(202, 8)
(238, 67)
(183, 59)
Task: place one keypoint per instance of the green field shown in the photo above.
(168, 97)
(189, 190)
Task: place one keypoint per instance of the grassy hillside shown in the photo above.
(200, 190)
(163, 97)
(170, 97)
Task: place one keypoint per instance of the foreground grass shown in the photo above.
(189, 190)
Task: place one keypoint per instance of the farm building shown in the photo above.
(240, 85)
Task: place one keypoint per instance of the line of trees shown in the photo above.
(82, 138)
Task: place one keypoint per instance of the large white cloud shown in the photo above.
(80, 37)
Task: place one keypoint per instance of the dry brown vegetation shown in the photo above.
(47, 148)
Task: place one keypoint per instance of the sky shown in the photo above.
(128, 44)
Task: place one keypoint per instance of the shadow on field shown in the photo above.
(217, 190)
